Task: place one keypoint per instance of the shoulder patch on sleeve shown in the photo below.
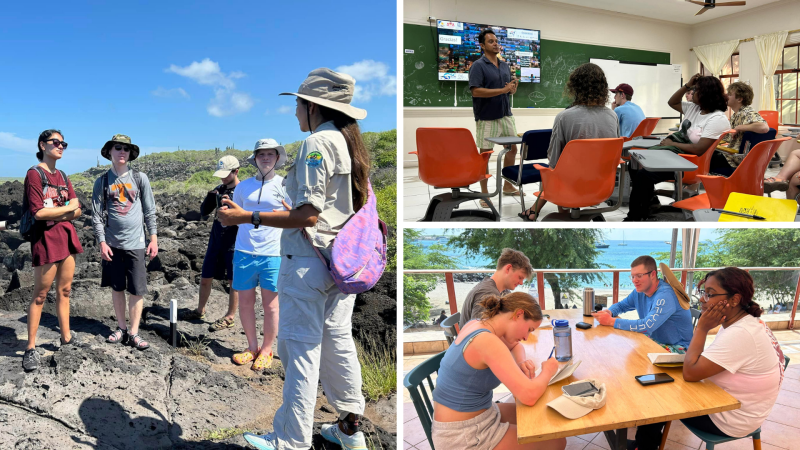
(314, 159)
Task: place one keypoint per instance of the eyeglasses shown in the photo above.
(121, 148)
(57, 143)
(702, 293)
(638, 276)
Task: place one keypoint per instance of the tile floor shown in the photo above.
(780, 431)
(417, 195)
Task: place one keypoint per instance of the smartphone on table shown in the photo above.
(654, 378)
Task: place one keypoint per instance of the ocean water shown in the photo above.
(615, 256)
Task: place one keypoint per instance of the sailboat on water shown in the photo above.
(623, 240)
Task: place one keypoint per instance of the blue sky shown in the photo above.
(194, 75)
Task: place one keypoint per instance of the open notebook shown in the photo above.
(562, 372)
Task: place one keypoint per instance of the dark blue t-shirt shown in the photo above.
(484, 74)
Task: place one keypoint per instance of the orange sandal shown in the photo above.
(244, 357)
(262, 362)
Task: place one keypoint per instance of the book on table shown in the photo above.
(666, 359)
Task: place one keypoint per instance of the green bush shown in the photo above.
(378, 369)
(204, 178)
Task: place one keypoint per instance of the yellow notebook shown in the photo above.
(773, 209)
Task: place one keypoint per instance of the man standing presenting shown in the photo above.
(629, 113)
(513, 267)
(122, 202)
(661, 317)
(491, 83)
(218, 262)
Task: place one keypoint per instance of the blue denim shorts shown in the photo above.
(250, 271)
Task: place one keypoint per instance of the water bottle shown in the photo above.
(534, 291)
(562, 337)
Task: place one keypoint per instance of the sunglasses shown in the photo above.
(121, 148)
(57, 143)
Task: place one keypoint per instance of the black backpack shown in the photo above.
(137, 178)
(28, 225)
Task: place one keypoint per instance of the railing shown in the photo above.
(451, 293)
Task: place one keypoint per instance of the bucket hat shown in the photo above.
(330, 89)
(269, 143)
(226, 165)
(119, 139)
(680, 292)
(577, 407)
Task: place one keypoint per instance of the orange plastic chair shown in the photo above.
(771, 117)
(703, 163)
(748, 178)
(645, 128)
(584, 176)
(449, 159)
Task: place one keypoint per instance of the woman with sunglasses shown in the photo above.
(744, 359)
(487, 352)
(54, 205)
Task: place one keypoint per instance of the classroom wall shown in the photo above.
(556, 21)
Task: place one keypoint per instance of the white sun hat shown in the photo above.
(577, 407)
(330, 89)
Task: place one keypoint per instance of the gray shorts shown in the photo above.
(482, 432)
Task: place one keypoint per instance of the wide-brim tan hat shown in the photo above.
(675, 283)
(269, 143)
(330, 89)
(577, 407)
(119, 139)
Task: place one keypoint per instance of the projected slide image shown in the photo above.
(459, 48)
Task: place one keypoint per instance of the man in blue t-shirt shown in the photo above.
(629, 113)
(661, 317)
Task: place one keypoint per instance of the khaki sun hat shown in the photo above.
(269, 143)
(119, 139)
(680, 292)
(226, 165)
(577, 407)
(330, 89)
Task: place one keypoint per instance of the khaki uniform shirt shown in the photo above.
(320, 177)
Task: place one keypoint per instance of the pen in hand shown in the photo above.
(551, 352)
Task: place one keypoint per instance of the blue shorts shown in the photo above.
(250, 271)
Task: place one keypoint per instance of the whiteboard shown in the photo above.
(652, 85)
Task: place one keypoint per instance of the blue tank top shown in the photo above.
(461, 387)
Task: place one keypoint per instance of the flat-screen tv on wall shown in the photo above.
(459, 48)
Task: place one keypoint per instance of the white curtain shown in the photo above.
(770, 49)
(714, 56)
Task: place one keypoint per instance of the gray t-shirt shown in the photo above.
(470, 309)
(581, 122)
(126, 208)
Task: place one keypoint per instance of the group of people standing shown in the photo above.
(744, 358)
(268, 232)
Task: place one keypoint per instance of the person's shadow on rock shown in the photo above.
(10, 344)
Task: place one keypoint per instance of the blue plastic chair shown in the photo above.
(414, 381)
(534, 147)
(749, 140)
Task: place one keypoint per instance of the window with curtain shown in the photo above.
(729, 74)
(787, 94)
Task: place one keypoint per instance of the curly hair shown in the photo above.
(710, 94)
(587, 85)
(737, 281)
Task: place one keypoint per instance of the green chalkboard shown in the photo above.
(421, 87)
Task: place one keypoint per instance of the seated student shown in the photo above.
(486, 353)
(587, 118)
(744, 358)
(629, 113)
(660, 315)
(513, 267)
(744, 118)
(704, 123)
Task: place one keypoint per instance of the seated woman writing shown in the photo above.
(587, 118)
(487, 352)
(745, 359)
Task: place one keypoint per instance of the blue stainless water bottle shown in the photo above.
(562, 337)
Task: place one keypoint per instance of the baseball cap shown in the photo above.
(577, 407)
(226, 165)
(624, 88)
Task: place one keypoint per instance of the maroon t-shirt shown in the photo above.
(54, 241)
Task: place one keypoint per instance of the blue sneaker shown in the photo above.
(264, 442)
(332, 433)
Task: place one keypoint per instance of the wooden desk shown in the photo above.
(613, 357)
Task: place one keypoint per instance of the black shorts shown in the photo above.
(218, 262)
(125, 271)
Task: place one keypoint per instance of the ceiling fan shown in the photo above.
(711, 4)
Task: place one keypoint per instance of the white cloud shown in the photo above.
(12, 142)
(170, 93)
(285, 110)
(372, 79)
(227, 101)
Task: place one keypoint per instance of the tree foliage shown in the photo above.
(550, 248)
(416, 306)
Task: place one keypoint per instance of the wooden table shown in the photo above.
(613, 357)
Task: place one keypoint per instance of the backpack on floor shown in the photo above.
(359, 250)
(28, 225)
